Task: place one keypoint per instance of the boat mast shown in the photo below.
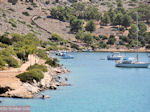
(137, 34)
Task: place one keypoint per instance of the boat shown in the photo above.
(59, 53)
(130, 63)
(67, 56)
(114, 56)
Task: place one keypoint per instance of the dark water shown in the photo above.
(97, 86)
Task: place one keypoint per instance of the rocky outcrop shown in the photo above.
(29, 90)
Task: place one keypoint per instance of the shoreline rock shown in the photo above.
(27, 90)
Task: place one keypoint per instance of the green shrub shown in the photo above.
(11, 62)
(56, 37)
(2, 62)
(29, 8)
(90, 26)
(39, 67)
(13, 24)
(111, 40)
(75, 46)
(52, 62)
(4, 39)
(103, 37)
(3, 45)
(102, 44)
(31, 75)
(42, 54)
(26, 13)
(13, 1)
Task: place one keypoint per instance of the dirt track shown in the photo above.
(10, 74)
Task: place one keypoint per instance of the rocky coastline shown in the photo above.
(52, 79)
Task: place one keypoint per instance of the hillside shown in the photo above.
(36, 17)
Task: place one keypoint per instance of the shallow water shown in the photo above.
(97, 86)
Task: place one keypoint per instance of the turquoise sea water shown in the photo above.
(97, 86)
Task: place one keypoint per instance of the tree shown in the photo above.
(119, 3)
(106, 19)
(80, 35)
(88, 38)
(118, 19)
(111, 40)
(142, 28)
(144, 12)
(112, 15)
(132, 31)
(92, 13)
(90, 26)
(127, 20)
(13, 1)
(76, 25)
(56, 37)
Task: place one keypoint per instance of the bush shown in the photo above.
(3, 45)
(29, 8)
(75, 46)
(26, 13)
(39, 67)
(52, 62)
(103, 37)
(11, 62)
(42, 54)
(4, 39)
(56, 37)
(2, 62)
(13, 1)
(31, 75)
(90, 26)
(111, 40)
(102, 45)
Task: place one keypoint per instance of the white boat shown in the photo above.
(114, 56)
(131, 63)
(67, 56)
(59, 53)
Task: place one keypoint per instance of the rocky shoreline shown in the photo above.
(52, 79)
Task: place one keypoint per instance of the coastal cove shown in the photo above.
(97, 86)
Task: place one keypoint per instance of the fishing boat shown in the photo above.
(114, 56)
(129, 63)
(67, 56)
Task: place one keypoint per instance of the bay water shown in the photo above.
(97, 86)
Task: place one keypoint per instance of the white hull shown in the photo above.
(133, 65)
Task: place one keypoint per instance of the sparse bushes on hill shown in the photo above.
(76, 24)
(43, 68)
(26, 13)
(111, 40)
(52, 62)
(79, 10)
(90, 26)
(105, 19)
(11, 62)
(42, 54)
(13, 1)
(31, 75)
(56, 37)
(75, 46)
(86, 37)
(102, 44)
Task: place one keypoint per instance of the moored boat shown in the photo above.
(67, 56)
(131, 63)
(114, 56)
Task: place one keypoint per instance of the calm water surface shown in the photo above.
(97, 86)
